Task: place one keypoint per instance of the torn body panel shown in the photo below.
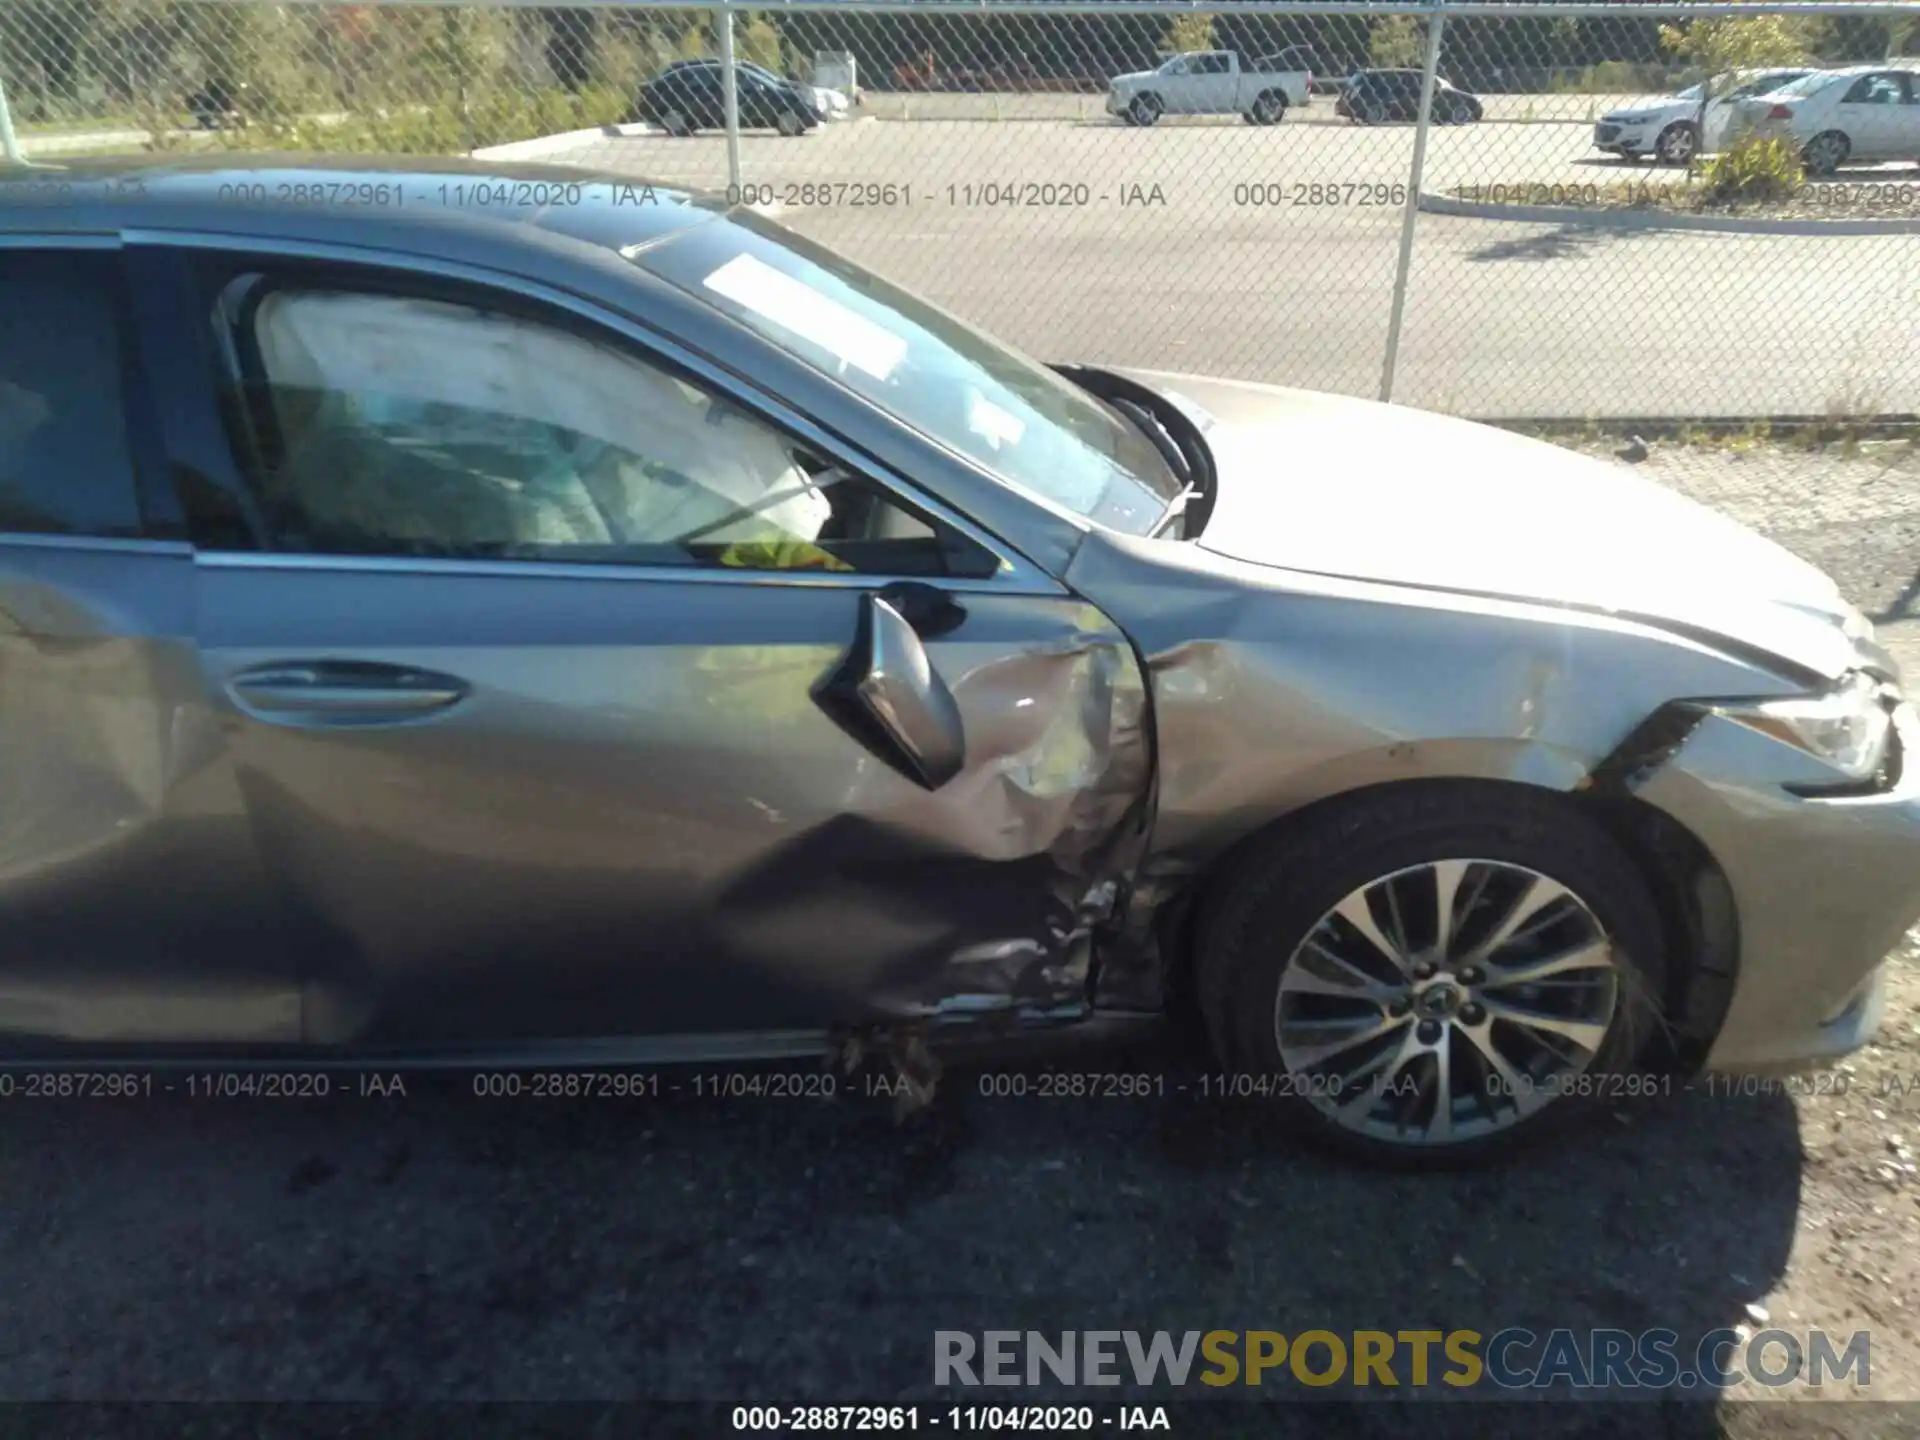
(1274, 690)
(639, 819)
(1824, 885)
(131, 905)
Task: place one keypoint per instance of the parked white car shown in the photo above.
(1865, 112)
(1213, 82)
(1669, 128)
(831, 103)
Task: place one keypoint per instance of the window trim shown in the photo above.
(517, 293)
(156, 507)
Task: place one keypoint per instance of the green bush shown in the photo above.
(1188, 32)
(1396, 43)
(1753, 170)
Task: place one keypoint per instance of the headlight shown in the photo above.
(1847, 727)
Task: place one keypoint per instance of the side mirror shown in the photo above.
(886, 693)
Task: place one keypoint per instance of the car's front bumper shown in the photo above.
(1624, 139)
(1825, 887)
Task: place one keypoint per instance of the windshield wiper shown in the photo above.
(1171, 432)
(1176, 507)
(1149, 425)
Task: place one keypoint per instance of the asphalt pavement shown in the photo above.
(1269, 254)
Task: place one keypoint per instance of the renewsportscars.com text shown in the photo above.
(1510, 1359)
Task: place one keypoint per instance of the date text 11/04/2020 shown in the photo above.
(1092, 1085)
(638, 1084)
(1056, 195)
(992, 1419)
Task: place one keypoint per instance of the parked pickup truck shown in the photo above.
(1214, 82)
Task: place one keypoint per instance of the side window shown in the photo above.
(1875, 90)
(391, 425)
(64, 462)
(1214, 64)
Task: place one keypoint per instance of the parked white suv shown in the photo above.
(1668, 127)
(1213, 82)
(1865, 112)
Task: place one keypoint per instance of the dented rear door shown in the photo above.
(132, 906)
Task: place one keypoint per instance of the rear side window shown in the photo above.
(64, 462)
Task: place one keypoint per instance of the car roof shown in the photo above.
(393, 202)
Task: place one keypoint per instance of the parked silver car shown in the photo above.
(503, 615)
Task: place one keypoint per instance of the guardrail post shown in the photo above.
(1436, 31)
(730, 92)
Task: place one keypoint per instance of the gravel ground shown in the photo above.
(439, 1246)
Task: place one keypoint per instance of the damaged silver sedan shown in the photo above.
(443, 620)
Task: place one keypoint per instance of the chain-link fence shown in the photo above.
(1522, 209)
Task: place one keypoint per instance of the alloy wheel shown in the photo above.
(1676, 144)
(1446, 1001)
(1824, 153)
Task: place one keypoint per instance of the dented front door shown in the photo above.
(539, 804)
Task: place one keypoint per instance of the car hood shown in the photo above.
(1657, 108)
(1134, 77)
(1352, 488)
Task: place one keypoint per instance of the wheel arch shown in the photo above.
(1687, 884)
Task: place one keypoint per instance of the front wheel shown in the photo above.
(675, 122)
(1825, 152)
(1145, 109)
(1677, 144)
(789, 124)
(1434, 973)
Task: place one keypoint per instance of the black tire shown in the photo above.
(1826, 152)
(1269, 107)
(1677, 144)
(676, 122)
(1257, 913)
(1146, 109)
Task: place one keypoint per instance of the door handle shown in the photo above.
(343, 693)
(886, 694)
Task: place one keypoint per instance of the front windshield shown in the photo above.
(1008, 414)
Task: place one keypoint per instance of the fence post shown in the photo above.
(730, 92)
(1436, 30)
(9, 142)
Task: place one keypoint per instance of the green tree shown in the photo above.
(756, 39)
(1189, 32)
(1722, 46)
(695, 43)
(1717, 46)
(1395, 43)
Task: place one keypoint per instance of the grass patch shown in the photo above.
(1895, 437)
